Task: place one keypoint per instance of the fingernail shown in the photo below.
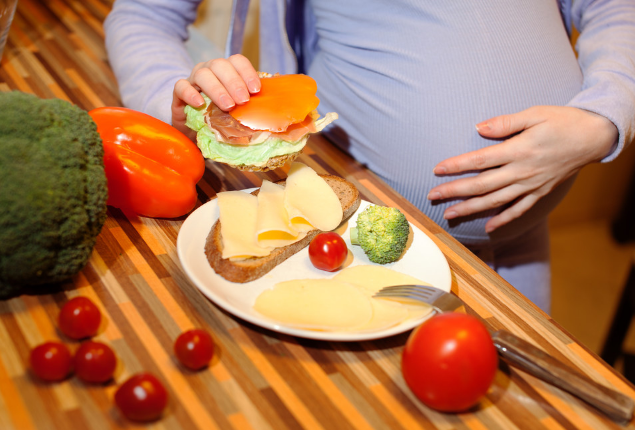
(225, 102)
(434, 195)
(439, 170)
(241, 95)
(197, 101)
(483, 127)
(253, 85)
(450, 215)
(489, 229)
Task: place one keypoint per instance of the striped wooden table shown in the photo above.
(258, 379)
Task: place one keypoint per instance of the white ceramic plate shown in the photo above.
(423, 260)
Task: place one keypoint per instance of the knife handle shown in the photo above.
(524, 355)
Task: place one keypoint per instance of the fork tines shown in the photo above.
(414, 292)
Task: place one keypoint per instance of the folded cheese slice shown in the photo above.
(310, 202)
(238, 215)
(273, 227)
(279, 216)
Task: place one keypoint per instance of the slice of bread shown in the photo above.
(272, 164)
(249, 269)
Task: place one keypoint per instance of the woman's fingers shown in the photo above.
(506, 125)
(485, 202)
(480, 184)
(208, 81)
(513, 196)
(495, 155)
(485, 158)
(548, 144)
(227, 82)
(184, 92)
(514, 211)
(247, 72)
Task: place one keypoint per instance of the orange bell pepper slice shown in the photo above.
(152, 168)
(283, 100)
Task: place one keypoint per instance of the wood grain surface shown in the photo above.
(258, 379)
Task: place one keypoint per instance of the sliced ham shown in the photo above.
(227, 129)
(296, 131)
(225, 125)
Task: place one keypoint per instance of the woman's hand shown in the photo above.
(227, 82)
(548, 144)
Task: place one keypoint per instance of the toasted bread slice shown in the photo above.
(272, 164)
(249, 269)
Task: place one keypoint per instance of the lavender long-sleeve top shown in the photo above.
(410, 79)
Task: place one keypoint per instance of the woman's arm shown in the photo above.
(145, 40)
(606, 53)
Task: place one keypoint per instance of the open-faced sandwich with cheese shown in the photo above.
(256, 232)
(268, 131)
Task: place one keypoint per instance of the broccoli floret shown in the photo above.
(382, 233)
(53, 190)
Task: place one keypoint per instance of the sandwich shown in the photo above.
(265, 133)
(313, 203)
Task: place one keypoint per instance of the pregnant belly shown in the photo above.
(401, 115)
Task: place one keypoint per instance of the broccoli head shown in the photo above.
(53, 190)
(382, 233)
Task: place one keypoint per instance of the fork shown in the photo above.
(524, 355)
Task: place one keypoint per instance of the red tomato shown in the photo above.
(94, 362)
(328, 251)
(51, 361)
(79, 318)
(142, 397)
(152, 168)
(282, 102)
(449, 362)
(194, 348)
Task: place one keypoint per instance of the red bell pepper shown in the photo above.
(152, 168)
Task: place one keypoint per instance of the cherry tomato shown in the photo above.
(142, 397)
(449, 362)
(79, 318)
(94, 362)
(194, 348)
(51, 361)
(328, 251)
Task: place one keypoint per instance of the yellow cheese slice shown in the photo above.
(341, 303)
(273, 227)
(316, 304)
(310, 201)
(238, 213)
(385, 315)
(416, 311)
(372, 278)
